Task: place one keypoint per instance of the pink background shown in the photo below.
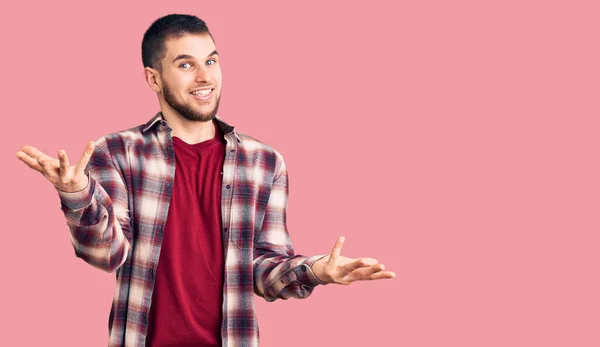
(455, 141)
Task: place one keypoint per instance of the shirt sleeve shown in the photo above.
(98, 216)
(278, 273)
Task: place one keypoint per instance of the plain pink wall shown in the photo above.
(455, 141)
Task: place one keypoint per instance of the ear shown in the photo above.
(152, 78)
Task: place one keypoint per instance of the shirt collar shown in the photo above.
(225, 128)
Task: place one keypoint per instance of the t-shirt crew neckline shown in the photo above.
(217, 138)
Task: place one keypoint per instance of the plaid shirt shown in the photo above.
(116, 224)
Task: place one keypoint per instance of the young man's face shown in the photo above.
(191, 77)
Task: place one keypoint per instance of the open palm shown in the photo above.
(335, 268)
(58, 171)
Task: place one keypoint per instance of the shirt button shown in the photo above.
(169, 184)
(160, 229)
(151, 273)
(228, 186)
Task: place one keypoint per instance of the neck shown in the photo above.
(189, 131)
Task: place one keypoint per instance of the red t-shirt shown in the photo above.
(186, 307)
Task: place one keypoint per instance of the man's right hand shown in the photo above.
(58, 171)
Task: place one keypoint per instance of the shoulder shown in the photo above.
(258, 151)
(120, 140)
(251, 144)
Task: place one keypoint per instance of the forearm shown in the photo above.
(95, 224)
(279, 276)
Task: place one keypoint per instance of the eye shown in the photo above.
(211, 62)
(185, 65)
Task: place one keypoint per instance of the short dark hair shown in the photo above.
(169, 26)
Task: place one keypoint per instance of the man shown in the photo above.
(189, 212)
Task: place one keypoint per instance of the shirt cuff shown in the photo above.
(305, 274)
(79, 199)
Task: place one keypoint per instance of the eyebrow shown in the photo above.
(187, 56)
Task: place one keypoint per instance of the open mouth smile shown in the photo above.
(202, 94)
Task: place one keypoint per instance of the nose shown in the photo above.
(202, 74)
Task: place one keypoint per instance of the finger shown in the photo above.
(364, 273)
(382, 275)
(45, 164)
(64, 160)
(358, 263)
(29, 161)
(51, 163)
(337, 249)
(33, 152)
(85, 157)
(48, 170)
(37, 154)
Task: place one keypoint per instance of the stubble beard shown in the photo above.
(186, 111)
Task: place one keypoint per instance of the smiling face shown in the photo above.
(189, 82)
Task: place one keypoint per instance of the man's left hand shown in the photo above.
(334, 268)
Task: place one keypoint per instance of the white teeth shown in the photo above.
(203, 92)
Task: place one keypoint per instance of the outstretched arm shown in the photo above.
(95, 206)
(280, 274)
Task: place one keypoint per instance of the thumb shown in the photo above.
(85, 158)
(337, 249)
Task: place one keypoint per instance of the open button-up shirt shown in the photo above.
(116, 224)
